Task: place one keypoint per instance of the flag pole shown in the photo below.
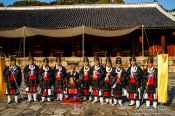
(83, 43)
(24, 41)
(142, 41)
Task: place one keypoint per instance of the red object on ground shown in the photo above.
(76, 100)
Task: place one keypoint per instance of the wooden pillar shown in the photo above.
(30, 46)
(142, 40)
(163, 42)
(113, 48)
(117, 47)
(140, 47)
(83, 43)
(133, 47)
(170, 50)
(24, 43)
(95, 48)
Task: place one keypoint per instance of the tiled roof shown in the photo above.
(108, 16)
(172, 13)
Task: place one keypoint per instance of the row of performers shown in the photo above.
(96, 83)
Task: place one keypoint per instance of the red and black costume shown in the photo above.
(46, 80)
(13, 79)
(72, 87)
(150, 81)
(150, 84)
(134, 81)
(31, 73)
(118, 80)
(59, 80)
(106, 81)
(98, 74)
(85, 78)
(107, 85)
(97, 83)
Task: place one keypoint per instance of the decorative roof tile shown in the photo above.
(108, 16)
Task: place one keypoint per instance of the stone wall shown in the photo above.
(78, 61)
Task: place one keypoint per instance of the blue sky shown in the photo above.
(168, 4)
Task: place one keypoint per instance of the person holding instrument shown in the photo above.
(13, 79)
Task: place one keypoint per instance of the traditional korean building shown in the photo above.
(143, 29)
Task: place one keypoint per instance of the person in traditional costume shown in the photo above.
(134, 80)
(13, 78)
(31, 73)
(59, 79)
(98, 74)
(118, 81)
(72, 83)
(85, 79)
(106, 83)
(46, 79)
(150, 83)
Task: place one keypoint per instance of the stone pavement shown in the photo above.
(85, 109)
(55, 108)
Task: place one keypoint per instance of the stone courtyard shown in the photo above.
(55, 108)
(85, 109)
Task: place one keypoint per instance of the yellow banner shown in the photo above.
(163, 78)
(2, 81)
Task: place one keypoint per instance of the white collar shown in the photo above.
(118, 70)
(150, 69)
(86, 68)
(73, 73)
(45, 68)
(133, 69)
(32, 67)
(108, 69)
(97, 67)
(59, 67)
(13, 67)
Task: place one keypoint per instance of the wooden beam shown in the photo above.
(163, 42)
